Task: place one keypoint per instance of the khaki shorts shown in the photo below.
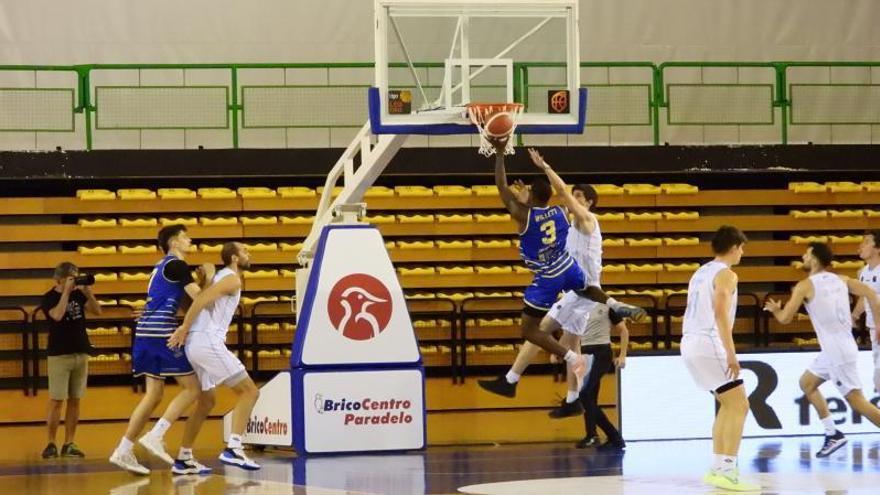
(67, 376)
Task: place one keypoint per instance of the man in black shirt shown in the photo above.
(68, 363)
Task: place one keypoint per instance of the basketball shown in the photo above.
(499, 125)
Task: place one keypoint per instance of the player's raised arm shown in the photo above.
(864, 293)
(785, 314)
(518, 211)
(584, 220)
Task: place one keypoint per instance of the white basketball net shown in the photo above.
(479, 113)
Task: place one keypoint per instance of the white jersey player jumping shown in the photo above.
(826, 297)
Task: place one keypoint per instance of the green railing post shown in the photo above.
(234, 107)
(656, 99)
(85, 98)
(782, 100)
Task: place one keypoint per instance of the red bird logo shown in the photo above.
(359, 306)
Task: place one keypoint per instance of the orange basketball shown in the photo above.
(499, 125)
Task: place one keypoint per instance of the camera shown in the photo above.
(84, 279)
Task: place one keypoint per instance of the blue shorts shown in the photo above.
(543, 292)
(152, 357)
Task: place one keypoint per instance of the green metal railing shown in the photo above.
(291, 96)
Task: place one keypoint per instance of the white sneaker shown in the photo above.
(189, 466)
(236, 457)
(156, 447)
(128, 462)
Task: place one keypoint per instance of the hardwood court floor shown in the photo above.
(781, 465)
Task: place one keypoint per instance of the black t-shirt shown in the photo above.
(177, 271)
(67, 336)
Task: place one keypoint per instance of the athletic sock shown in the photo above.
(185, 454)
(160, 428)
(125, 445)
(728, 463)
(570, 356)
(512, 377)
(571, 396)
(234, 441)
(828, 423)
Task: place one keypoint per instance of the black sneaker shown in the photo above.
(567, 410)
(587, 442)
(832, 443)
(50, 451)
(612, 446)
(499, 386)
(71, 450)
(634, 313)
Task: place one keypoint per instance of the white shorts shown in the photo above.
(844, 376)
(212, 361)
(572, 312)
(875, 349)
(706, 360)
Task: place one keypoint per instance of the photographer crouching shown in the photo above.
(69, 347)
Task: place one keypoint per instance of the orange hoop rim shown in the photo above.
(480, 112)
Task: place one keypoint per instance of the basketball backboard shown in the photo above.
(433, 57)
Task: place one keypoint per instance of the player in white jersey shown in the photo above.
(570, 313)
(826, 297)
(710, 356)
(204, 332)
(869, 252)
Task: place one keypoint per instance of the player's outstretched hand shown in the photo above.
(732, 367)
(520, 191)
(499, 143)
(620, 362)
(772, 305)
(537, 159)
(177, 339)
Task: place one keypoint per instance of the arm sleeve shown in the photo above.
(50, 300)
(178, 272)
(614, 317)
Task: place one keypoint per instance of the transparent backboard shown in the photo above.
(434, 57)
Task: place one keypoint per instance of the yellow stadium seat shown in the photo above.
(872, 213)
(608, 190)
(286, 220)
(176, 193)
(89, 250)
(641, 189)
(210, 248)
(216, 193)
(138, 222)
(648, 216)
(428, 349)
(419, 270)
(675, 292)
(134, 276)
(871, 186)
(415, 244)
(390, 245)
(845, 239)
(806, 187)
(288, 247)
(613, 268)
(97, 222)
(799, 265)
(106, 277)
(285, 273)
(250, 301)
(413, 191)
(218, 221)
(843, 187)
(452, 191)
(336, 191)
(283, 298)
(681, 241)
(268, 327)
(493, 243)
(615, 292)
(681, 215)
(262, 247)
(610, 217)
(455, 270)
(455, 296)
(494, 322)
(658, 293)
(612, 242)
(379, 219)
(846, 213)
(415, 218)
(109, 301)
(249, 274)
(651, 242)
(139, 249)
(681, 267)
(103, 331)
(296, 192)
(803, 317)
(801, 214)
(520, 269)
(424, 323)
(256, 192)
(188, 221)
(460, 218)
(646, 267)
(135, 194)
(485, 190)
(797, 239)
(95, 194)
(494, 270)
(416, 296)
(846, 265)
(492, 217)
(679, 189)
(493, 294)
(379, 192)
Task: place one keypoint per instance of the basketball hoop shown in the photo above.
(484, 114)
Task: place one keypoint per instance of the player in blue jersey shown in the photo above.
(169, 284)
